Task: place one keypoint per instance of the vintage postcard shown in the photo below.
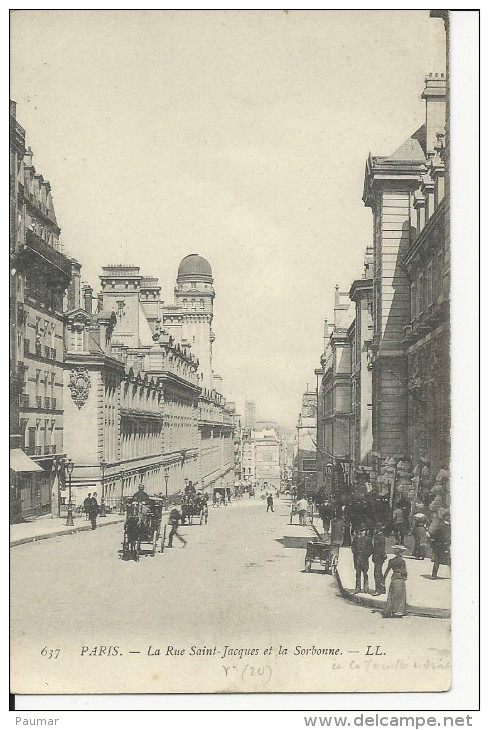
(230, 351)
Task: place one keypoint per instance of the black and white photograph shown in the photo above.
(230, 352)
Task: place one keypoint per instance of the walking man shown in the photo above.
(86, 505)
(269, 502)
(361, 547)
(93, 510)
(398, 524)
(302, 507)
(175, 519)
(378, 558)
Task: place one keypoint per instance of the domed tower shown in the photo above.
(194, 295)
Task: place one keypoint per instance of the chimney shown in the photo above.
(368, 263)
(87, 298)
(435, 96)
(73, 295)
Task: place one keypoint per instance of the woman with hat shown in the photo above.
(396, 598)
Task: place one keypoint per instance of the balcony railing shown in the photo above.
(53, 403)
(47, 402)
(38, 401)
(24, 400)
(38, 450)
(47, 252)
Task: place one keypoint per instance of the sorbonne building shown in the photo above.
(144, 407)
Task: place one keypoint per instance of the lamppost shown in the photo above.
(103, 465)
(69, 468)
(167, 476)
(121, 509)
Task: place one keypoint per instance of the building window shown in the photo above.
(202, 304)
(193, 285)
(192, 307)
(185, 304)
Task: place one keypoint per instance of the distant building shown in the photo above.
(250, 415)
(267, 458)
(306, 444)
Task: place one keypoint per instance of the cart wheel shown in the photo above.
(307, 565)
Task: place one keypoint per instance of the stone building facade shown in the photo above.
(138, 371)
(411, 275)
(40, 275)
(306, 443)
(360, 336)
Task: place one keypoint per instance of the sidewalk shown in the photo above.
(425, 597)
(42, 528)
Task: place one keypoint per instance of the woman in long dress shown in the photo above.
(396, 598)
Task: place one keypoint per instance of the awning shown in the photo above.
(19, 461)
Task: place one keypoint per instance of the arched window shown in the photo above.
(185, 304)
(202, 304)
(193, 304)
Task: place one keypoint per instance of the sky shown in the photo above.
(238, 135)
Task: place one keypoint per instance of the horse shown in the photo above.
(133, 529)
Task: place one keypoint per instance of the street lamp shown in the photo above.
(167, 476)
(103, 465)
(121, 509)
(69, 468)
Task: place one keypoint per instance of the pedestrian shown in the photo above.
(395, 606)
(140, 495)
(361, 547)
(378, 558)
(93, 510)
(174, 520)
(420, 536)
(398, 524)
(326, 514)
(269, 502)
(440, 544)
(302, 508)
(86, 505)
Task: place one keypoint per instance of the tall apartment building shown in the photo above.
(40, 274)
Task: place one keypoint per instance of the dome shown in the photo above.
(195, 266)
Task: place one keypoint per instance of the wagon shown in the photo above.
(323, 553)
(142, 528)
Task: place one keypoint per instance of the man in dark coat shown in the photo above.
(86, 504)
(361, 547)
(140, 495)
(270, 502)
(175, 518)
(93, 510)
(378, 558)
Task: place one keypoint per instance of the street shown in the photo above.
(239, 583)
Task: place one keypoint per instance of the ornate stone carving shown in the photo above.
(79, 385)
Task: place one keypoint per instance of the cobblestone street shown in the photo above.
(243, 571)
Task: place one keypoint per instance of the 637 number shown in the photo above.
(48, 653)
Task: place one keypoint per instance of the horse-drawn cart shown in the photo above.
(142, 528)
